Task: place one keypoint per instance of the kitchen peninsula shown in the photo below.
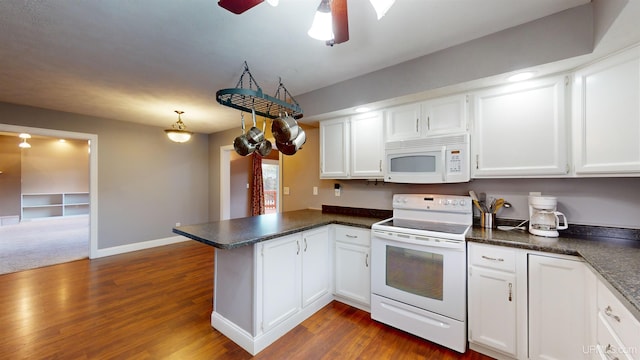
(244, 280)
(263, 289)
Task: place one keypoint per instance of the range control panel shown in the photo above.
(432, 202)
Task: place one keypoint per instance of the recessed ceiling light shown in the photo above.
(521, 76)
(362, 109)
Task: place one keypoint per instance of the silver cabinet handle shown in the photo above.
(417, 125)
(352, 236)
(607, 352)
(492, 259)
(298, 243)
(305, 244)
(609, 312)
(510, 292)
(380, 165)
(366, 260)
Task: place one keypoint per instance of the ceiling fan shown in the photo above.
(339, 28)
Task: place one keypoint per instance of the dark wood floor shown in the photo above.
(156, 304)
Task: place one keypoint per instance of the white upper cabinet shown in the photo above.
(446, 115)
(352, 147)
(334, 149)
(367, 145)
(520, 130)
(607, 116)
(403, 123)
(434, 117)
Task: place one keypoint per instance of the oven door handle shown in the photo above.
(419, 240)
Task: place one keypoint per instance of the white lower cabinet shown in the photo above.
(352, 266)
(492, 298)
(558, 314)
(294, 273)
(280, 276)
(618, 331)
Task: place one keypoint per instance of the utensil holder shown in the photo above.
(488, 220)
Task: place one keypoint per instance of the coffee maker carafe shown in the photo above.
(544, 220)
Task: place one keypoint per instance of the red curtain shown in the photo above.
(257, 188)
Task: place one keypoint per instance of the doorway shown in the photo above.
(226, 155)
(66, 211)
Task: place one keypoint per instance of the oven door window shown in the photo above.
(413, 164)
(414, 271)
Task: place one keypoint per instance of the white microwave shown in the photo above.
(434, 160)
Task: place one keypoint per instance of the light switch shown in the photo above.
(315, 190)
(285, 190)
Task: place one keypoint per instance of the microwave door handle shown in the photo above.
(444, 163)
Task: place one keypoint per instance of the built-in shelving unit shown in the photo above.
(36, 206)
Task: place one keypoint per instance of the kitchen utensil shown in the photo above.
(488, 220)
(544, 220)
(285, 128)
(496, 205)
(476, 201)
(255, 135)
(264, 148)
(291, 147)
(517, 227)
(241, 144)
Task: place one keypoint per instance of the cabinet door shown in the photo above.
(492, 309)
(557, 311)
(353, 276)
(520, 130)
(403, 123)
(446, 115)
(316, 280)
(607, 116)
(334, 149)
(280, 279)
(367, 145)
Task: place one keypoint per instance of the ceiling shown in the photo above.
(140, 60)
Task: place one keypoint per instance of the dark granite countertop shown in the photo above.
(617, 261)
(229, 234)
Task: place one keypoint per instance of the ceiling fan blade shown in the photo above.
(340, 21)
(238, 6)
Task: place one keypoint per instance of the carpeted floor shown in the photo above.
(38, 243)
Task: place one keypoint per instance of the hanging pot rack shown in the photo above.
(252, 98)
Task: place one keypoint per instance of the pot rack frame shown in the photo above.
(252, 98)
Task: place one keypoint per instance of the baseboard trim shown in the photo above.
(122, 249)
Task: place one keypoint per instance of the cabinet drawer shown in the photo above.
(353, 235)
(621, 321)
(495, 257)
(608, 344)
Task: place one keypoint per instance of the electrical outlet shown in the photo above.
(315, 190)
(178, 224)
(285, 190)
(337, 191)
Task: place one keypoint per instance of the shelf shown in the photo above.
(35, 206)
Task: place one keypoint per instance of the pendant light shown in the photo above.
(322, 26)
(381, 6)
(24, 144)
(178, 132)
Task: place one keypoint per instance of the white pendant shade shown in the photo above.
(322, 26)
(178, 136)
(381, 6)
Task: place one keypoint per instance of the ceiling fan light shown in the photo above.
(322, 26)
(381, 6)
(178, 132)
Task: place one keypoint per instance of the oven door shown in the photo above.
(429, 274)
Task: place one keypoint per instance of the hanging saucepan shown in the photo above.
(285, 128)
(291, 147)
(264, 148)
(241, 144)
(255, 135)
